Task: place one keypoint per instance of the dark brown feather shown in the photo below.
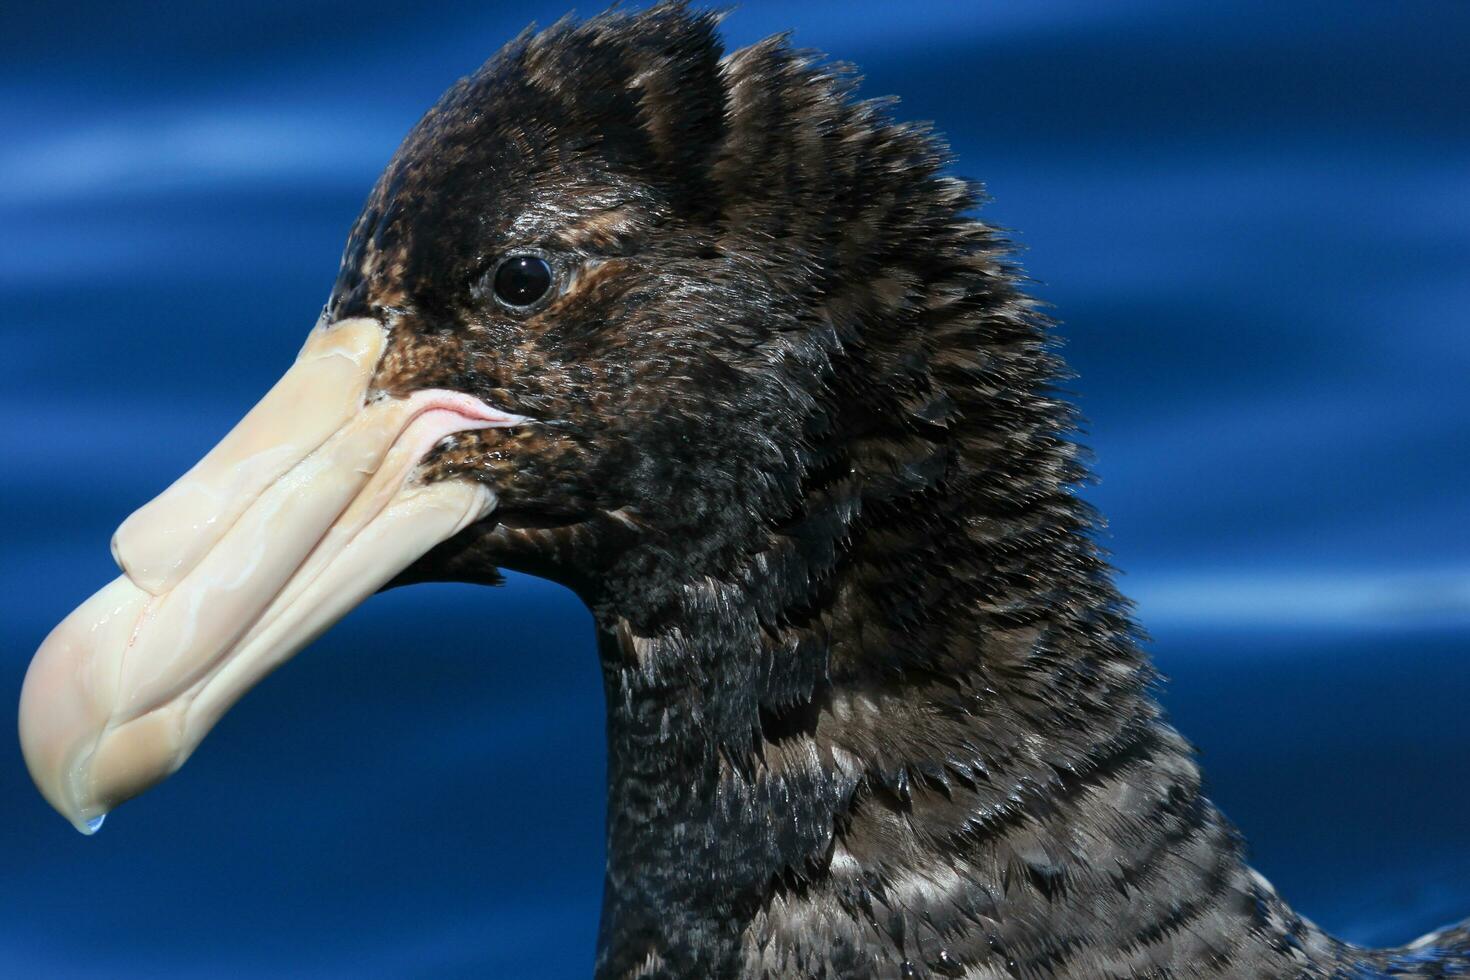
(875, 707)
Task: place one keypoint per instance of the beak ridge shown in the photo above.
(308, 506)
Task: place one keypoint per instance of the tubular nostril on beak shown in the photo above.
(162, 541)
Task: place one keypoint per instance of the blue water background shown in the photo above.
(1253, 218)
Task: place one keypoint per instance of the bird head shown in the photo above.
(549, 240)
(602, 319)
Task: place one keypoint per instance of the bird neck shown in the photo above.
(889, 716)
(938, 757)
(897, 774)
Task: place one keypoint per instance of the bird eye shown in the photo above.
(522, 280)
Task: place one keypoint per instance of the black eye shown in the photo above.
(522, 280)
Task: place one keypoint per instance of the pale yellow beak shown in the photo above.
(308, 506)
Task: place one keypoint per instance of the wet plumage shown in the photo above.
(875, 707)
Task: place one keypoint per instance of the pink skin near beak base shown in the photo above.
(308, 506)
